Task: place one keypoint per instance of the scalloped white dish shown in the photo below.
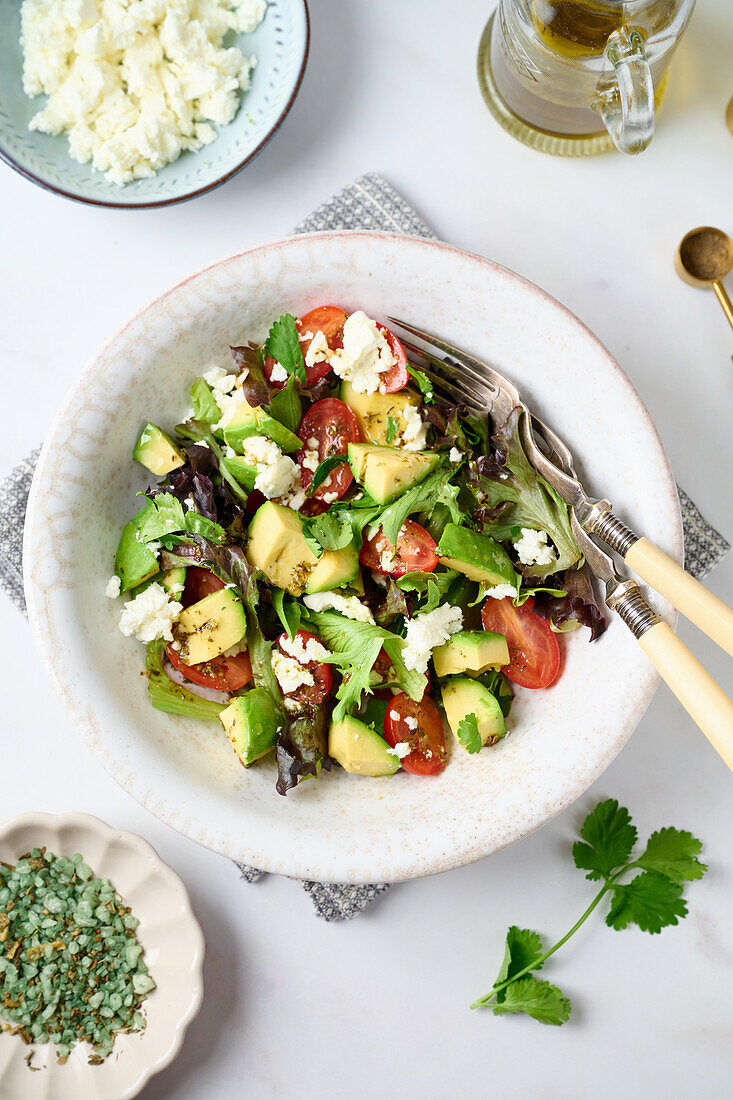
(340, 828)
(174, 952)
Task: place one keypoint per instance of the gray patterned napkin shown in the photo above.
(368, 203)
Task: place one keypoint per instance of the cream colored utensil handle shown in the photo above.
(693, 599)
(701, 697)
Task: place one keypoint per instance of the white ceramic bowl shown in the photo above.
(341, 828)
(174, 952)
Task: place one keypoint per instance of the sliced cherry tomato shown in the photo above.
(416, 551)
(533, 649)
(332, 425)
(222, 673)
(329, 320)
(397, 377)
(312, 694)
(199, 583)
(427, 754)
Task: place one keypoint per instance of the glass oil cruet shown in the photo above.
(554, 73)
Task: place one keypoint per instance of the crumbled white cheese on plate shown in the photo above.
(427, 631)
(350, 606)
(133, 85)
(112, 590)
(290, 673)
(278, 373)
(219, 380)
(534, 548)
(415, 432)
(400, 750)
(455, 455)
(500, 591)
(364, 357)
(150, 615)
(278, 477)
(304, 651)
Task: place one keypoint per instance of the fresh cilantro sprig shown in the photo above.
(468, 734)
(652, 900)
(283, 345)
(422, 382)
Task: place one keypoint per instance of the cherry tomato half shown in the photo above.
(312, 694)
(397, 377)
(199, 583)
(332, 424)
(222, 673)
(418, 724)
(533, 649)
(329, 320)
(416, 550)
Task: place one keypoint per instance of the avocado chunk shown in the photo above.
(334, 569)
(471, 651)
(134, 562)
(242, 471)
(463, 696)
(359, 749)
(373, 411)
(251, 724)
(385, 472)
(278, 548)
(244, 421)
(478, 557)
(173, 580)
(157, 451)
(209, 627)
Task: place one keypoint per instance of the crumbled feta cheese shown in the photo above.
(219, 380)
(309, 461)
(112, 590)
(410, 722)
(400, 750)
(534, 548)
(426, 631)
(364, 357)
(305, 652)
(350, 606)
(135, 84)
(189, 504)
(500, 591)
(455, 455)
(278, 373)
(290, 673)
(277, 475)
(228, 404)
(312, 443)
(387, 560)
(150, 615)
(415, 432)
(329, 498)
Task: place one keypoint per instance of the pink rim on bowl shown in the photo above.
(341, 828)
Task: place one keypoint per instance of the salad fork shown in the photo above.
(459, 376)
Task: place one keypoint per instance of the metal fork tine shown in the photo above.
(453, 393)
(470, 362)
(480, 389)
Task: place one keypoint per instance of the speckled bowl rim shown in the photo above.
(111, 204)
(51, 825)
(298, 867)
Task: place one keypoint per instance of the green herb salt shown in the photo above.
(71, 967)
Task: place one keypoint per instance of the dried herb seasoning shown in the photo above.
(71, 966)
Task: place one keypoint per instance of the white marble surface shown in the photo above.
(296, 1007)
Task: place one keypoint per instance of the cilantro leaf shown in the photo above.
(329, 531)
(609, 837)
(523, 947)
(539, 999)
(354, 648)
(287, 612)
(468, 734)
(283, 345)
(434, 490)
(422, 382)
(205, 407)
(324, 469)
(673, 853)
(391, 433)
(650, 901)
(285, 406)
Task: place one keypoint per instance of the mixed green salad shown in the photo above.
(334, 560)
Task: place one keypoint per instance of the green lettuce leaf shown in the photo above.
(426, 497)
(174, 698)
(205, 407)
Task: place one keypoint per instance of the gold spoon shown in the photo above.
(704, 258)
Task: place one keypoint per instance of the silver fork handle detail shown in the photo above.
(692, 599)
